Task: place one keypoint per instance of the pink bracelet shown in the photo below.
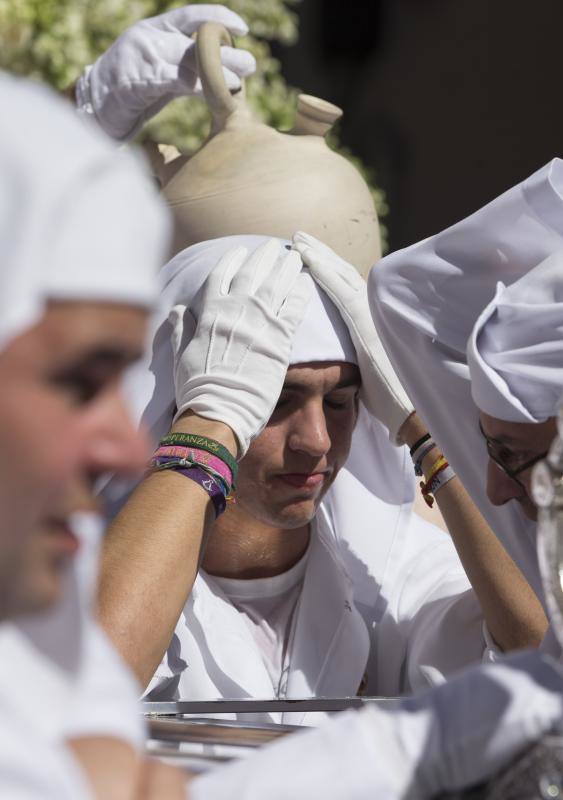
(196, 456)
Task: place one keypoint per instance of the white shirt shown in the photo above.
(385, 605)
(268, 607)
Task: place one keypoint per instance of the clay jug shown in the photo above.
(250, 178)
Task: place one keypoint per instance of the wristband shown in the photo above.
(438, 464)
(198, 457)
(202, 443)
(417, 444)
(163, 463)
(214, 487)
(420, 454)
(206, 481)
(442, 478)
(433, 481)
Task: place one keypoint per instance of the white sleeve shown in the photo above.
(449, 738)
(447, 635)
(436, 612)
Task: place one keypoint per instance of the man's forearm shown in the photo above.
(151, 556)
(513, 613)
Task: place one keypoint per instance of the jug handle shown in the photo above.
(210, 37)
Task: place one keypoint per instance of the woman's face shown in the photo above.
(62, 423)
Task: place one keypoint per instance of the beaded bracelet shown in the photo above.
(198, 457)
(202, 443)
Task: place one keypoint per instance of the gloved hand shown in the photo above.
(234, 367)
(382, 394)
(153, 62)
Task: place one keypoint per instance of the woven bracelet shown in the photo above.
(206, 481)
(198, 457)
(213, 485)
(165, 463)
(202, 443)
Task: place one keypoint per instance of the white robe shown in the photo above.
(385, 601)
(425, 300)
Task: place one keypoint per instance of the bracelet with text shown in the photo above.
(202, 443)
(440, 473)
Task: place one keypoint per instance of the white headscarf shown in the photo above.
(322, 336)
(515, 352)
(78, 219)
(426, 300)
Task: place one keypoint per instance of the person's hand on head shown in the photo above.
(381, 391)
(233, 368)
(152, 63)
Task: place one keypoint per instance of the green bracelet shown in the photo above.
(203, 443)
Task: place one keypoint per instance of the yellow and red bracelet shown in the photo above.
(437, 476)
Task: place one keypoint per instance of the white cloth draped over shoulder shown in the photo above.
(78, 221)
(425, 301)
(384, 595)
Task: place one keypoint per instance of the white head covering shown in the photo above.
(78, 219)
(515, 351)
(322, 336)
(426, 300)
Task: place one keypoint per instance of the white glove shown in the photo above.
(234, 367)
(152, 63)
(382, 394)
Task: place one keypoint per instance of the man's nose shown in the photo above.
(310, 433)
(501, 487)
(114, 444)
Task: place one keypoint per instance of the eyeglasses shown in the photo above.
(500, 454)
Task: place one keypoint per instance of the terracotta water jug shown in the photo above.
(250, 178)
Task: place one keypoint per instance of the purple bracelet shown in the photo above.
(211, 485)
(207, 482)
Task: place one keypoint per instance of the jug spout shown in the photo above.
(314, 116)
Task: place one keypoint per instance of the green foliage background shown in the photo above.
(52, 40)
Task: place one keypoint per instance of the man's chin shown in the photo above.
(295, 515)
(41, 589)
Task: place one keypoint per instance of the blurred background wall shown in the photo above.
(450, 101)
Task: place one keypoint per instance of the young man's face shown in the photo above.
(62, 424)
(290, 466)
(515, 445)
